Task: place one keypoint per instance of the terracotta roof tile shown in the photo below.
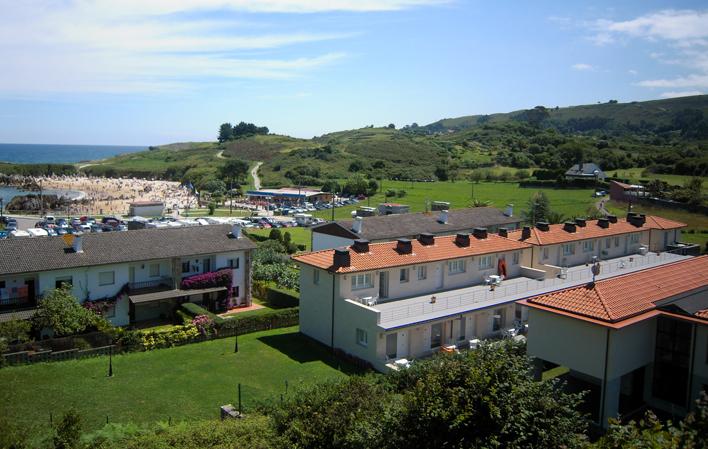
(702, 314)
(384, 255)
(622, 297)
(556, 234)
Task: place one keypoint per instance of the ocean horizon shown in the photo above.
(29, 153)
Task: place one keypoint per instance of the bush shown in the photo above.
(266, 320)
(182, 317)
(260, 289)
(279, 298)
(194, 310)
(167, 338)
(15, 331)
(81, 344)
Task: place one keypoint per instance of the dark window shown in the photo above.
(2, 284)
(64, 280)
(185, 267)
(236, 291)
(671, 360)
(435, 335)
(207, 265)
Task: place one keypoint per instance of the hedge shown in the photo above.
(193, 310)
(264, 321)
(281, 297)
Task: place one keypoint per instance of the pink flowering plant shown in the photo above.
(219, 278)
(204, 324)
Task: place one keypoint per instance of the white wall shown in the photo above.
(316, 304)
(557, 258)
(631, 347)
(350, 316)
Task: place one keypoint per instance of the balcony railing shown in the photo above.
(163, 282)
(17, 303)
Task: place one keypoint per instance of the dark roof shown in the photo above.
(26, 255)
(171, 294)
(387, 227)
(585, 169)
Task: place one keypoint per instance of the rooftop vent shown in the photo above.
(77, 245)
(542, 226)
(404, 246)
(356, 226)
(504, 232)
(569, 226)
(509, 211)
(526, 232)
(361, 246)
(236, 231)
(480, 233)
(580, 222)
(426, 238)
(462, 239)
(341, 258)
(442, 218)
(612, 218)
(637, 220)
(603, 223)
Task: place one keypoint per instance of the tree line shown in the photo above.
(230, 132)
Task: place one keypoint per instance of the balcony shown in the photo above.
(409, 311)
(163, 283)
(13, 303)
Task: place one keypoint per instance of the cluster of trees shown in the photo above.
(272, 264)
(229, 132)
(538, 208)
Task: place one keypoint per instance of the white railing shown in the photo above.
(520, 289)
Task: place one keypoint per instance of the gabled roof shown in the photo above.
(27, 255)
(389, 227)
(385, 255)
(584, 169)
(556, 234)
(620, 298)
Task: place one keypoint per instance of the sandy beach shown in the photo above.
(111, 196)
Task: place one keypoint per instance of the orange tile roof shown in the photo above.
(702, 314)
(622, 297)
(384, 255)
(556, 234)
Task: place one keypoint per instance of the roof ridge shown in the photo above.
(601, 297)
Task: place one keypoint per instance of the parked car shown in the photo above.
(50, 219)
(61, 231)
(62, 223)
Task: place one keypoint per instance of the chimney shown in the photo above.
(236, 231)
(580, 222)
(503, 232)
(404, 246)
(341, 258)
(509, 211)
(361, 246)
(603, 223)
(77, 245)
(479, 233)
(569, 226)
(356, 226)
(526, 232)
(426, 238)
(612, 218)
(442, 218)
(637, 220)
(462, 239)
(542, 226)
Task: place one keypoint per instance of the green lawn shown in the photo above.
(187, 382)
(635, 174)
(300, 236)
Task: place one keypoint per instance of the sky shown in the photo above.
(150, 72)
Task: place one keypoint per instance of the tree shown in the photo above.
(538, 208)
(214, 186)
(67, 432)
(60, 311)
(225, 132)
(356, 185)
(15, 331)
(331, 186)
(234, 170)
(391, 126)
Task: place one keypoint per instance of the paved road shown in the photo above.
(24, 222)
(256, 179)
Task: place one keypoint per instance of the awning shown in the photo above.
(171, 294)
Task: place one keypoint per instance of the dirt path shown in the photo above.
(220, 154)
(254, 174)
(600, 205)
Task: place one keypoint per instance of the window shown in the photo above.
(422, 273)
(316, 276)
(2, 284)
(515, 258)
(404, 275)
(109, 311)
(517, 311)
(456, 266)
(617, 242)
(486, 262)
(362, 339)
(498, 320)
(185, 267)
(360, 281)
(236, 291)
(569, 249)
(608, 243)
(106, 278)
(58, 282)
(234, 263)
(634, 238)
(436, 335)
(463, 324)
(206, 265)
(588, 246)
(545, 253)
(154, 270)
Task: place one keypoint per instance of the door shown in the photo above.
(392, 345)
(206, 265)
(131, 275)
(383, 284)
(439, 276)
(436, 335)
(402, 343)
(29, 283)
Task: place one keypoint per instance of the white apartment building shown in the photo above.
(141, 270)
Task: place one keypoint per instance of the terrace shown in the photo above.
(414, 310)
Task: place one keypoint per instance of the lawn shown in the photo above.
(300, 236)
(635, 174)
(187, 382)
(570, 202)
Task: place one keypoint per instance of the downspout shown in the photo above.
(604, 379)
(332, 336)
(690, 371)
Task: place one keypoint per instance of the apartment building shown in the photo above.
(632, 340)
(140, 271)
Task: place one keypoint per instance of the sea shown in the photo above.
(21, 153)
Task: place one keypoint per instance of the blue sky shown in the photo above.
(147, 72)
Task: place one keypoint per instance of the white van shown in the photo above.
(37, 232)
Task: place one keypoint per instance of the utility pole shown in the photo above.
(41, 200)
(231, 197)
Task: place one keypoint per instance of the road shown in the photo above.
(254, 174)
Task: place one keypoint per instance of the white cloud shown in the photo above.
(582, 67)
(632, 72)
(680, 82)
(676, 25)
(159, 45)
(686, 93)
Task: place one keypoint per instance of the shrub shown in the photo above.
(195, 310)
(260, 289)
(167, 338)
(15, 331)
(204, 324)
(81, 343)
(182, 317)
(278, 297)
(61, 311)
(266, 320)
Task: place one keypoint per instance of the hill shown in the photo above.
(663, 136)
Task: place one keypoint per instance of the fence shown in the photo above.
(64, 348)
(514, 289)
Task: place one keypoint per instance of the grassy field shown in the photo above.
(635, 175)
(300, 236)
(187, 382)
